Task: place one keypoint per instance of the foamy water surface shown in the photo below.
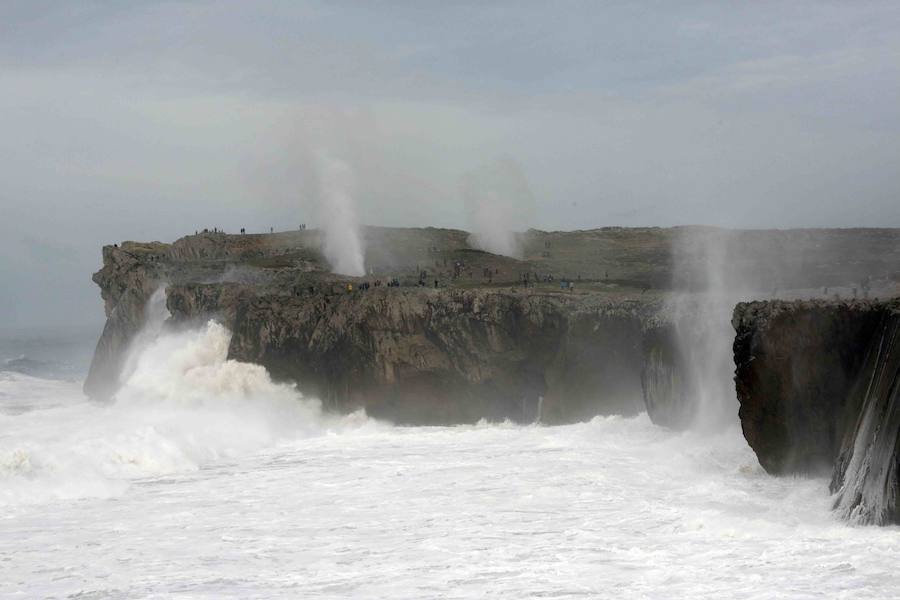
(235, 487)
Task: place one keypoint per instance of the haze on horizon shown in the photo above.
(147, 121)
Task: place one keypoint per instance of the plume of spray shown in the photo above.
(708, 287)
(182, 403)
(499, 205)
(341, 242)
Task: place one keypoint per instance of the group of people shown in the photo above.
(243, 230)
(365, 285)
(530, 279)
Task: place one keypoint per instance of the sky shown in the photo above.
(147, 121)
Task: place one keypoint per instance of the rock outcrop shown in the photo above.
(582, 325)
(427, 356)
(481, 344)
(130, 274)
(819, 389)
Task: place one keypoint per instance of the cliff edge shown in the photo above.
(440, 332)
(819, 389)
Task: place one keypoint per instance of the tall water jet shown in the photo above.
(688, 372)
(499, 204)
(704, 326)
(341, 244)
(155, 315)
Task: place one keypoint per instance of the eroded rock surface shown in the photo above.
(819, 387)
(460, 336)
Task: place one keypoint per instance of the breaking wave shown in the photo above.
(182, 405)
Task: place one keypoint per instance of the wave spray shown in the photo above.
(342, 244)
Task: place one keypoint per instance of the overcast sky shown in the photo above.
(123, 120)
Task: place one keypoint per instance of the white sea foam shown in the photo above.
(206, 479)
(183, 405)
(614, 508)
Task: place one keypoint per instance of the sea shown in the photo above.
(203, 478)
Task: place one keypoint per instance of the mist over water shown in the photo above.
(613, 508)
(708, 285)
(205, 478)
(181, 405)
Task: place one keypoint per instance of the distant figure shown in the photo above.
(435, 284)
(349, 288)
(271, 230)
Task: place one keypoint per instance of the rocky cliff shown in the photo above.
(583, 324)
(426, 356)
(819, 389)
(479, 344)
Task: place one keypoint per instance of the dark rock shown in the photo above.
(818, 385)
(426, 356)
(473, 347)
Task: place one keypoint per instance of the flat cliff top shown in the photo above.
(760, 314)
(615, 261)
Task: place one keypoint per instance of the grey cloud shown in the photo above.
(149, 120)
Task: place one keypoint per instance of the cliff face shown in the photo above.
(818, 385)
(428, 356)
(130, 275)
(481, 345)
(459, 335)
(666, 380)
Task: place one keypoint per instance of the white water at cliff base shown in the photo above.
(207, 480)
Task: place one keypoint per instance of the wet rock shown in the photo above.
(818, 385)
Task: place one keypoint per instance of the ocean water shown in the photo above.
(204, 479)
